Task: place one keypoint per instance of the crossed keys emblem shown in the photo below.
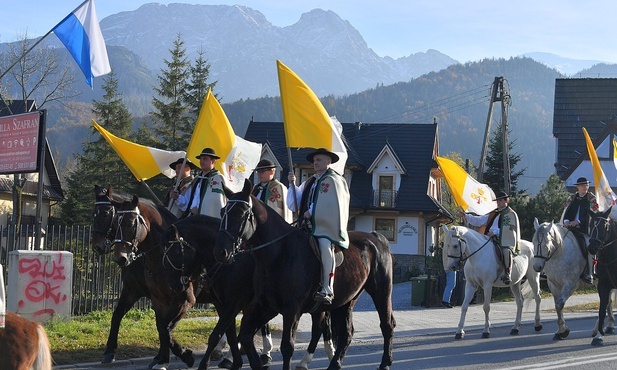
(479, 197)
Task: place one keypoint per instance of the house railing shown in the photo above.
(97, 280)
(385, 198)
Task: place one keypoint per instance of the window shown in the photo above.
(385, 192)
(386, 226)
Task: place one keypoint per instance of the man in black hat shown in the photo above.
(184, 173)
(271, 191)
(208, 193)
(502, 225)
(576, 217)
(323, 200)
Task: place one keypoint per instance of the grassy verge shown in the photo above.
(83, 339)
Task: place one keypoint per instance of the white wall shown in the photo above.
(406, 233)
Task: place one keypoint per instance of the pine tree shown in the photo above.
(99, 164)
(171, 116)
(198, 87)
(494, 171)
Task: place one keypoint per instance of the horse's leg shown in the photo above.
(342, 324)
(470, 290)
(488, 293)
(533, 279)
(288, 339)
(184, 354)
(603, 291)
(382, 298)
(255, 318)
(125, 303)
(226, 324)
(560, 301)
(217, 352)
(610, 327)
(266, 339)
(317, 319)
(518, 297)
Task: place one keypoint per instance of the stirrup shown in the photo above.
(588, 279)
(322, 296)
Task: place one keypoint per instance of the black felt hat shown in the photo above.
(323, 151)
(582, 181)
(209, 152)
(502, 195)
(265, 164)
(180, 160)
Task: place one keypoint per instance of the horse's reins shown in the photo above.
(461, 257)
(135, 242)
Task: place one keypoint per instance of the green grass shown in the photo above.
(83, 339)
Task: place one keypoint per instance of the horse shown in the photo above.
(288, 274)
(483, 269)
(557, 254)
(231, 286)
(24, 344)
(602, 243)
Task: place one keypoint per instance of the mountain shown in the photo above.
(242, 46)
(567, 66)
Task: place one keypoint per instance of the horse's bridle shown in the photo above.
(110, 213)
(141, 230)
(248, 218)
(461, 257)
(538, 252)
(595, 231)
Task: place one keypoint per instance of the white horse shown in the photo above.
(483, 269)
(557, 254)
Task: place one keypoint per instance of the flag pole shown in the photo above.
(293, 188)
(24, 54)
(171, 200)
(154, 197)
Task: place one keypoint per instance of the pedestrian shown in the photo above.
(576, 218)
(323, 201)
(208, 194)
(446, 300)
(502, 225)
(186, 178)
(271, 191)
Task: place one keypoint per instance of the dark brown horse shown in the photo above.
(603, 243)
(230, 285)
(134, 284)
(289, 271)
(24, 345)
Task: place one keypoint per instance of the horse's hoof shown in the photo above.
(538, 327)
(162, 366)
(265, 359)
(187, 357)
(597, 342)
(225, 364)
(216, 355)
(301, 367)
(153, 363)
(459, 336)
(486, 335)
(111, 357)
(609, 331)
(561, 336)
(513, 332)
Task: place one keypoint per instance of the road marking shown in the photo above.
(570, 362)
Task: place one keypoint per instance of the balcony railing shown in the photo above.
(384, 198)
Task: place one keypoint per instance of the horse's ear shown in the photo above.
(536, 224)
(248, 186)
(174, 229)
(135, 200)
(109, 191)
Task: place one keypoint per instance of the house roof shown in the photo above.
(581, 102)
(53, 191)
(412, 144)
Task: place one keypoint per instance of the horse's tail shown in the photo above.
(43, 358)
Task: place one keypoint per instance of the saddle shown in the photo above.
(338, 254)
(580, 238)
(499, 253)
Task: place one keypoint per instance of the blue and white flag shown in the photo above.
(81, 34)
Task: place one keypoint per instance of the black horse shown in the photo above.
(289, 272)
(231, 286)
(134, 284)
(602, 243)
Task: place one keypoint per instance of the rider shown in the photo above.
(503, 226)
(186, 178)
(271, 191)
(208, 193)
(323, 201)
(576, 217)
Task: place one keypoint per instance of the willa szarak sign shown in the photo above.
(20, 137)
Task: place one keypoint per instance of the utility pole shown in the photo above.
(498, 94)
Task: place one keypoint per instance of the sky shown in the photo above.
(464, 30)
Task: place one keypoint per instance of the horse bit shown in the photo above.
(140, 221)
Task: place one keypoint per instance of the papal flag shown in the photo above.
(306, 122)
(143, 161)
(468, 193)
(213, 130)
(604, 194)
(81, 33)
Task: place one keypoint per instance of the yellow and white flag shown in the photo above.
(143, 161)
(468, 193)
(615, 152)
(306, 122)
(604, 194)
(213, 130)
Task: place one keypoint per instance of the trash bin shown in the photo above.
(418, 290)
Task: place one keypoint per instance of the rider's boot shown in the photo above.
(508, 263)
(326, 294)
(588, 272)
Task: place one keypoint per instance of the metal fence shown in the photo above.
(96, 280)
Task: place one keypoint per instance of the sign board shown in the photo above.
(20, 142)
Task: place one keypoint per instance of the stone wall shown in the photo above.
(406, 266)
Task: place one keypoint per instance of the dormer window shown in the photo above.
(386, 170)
(385, 193)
